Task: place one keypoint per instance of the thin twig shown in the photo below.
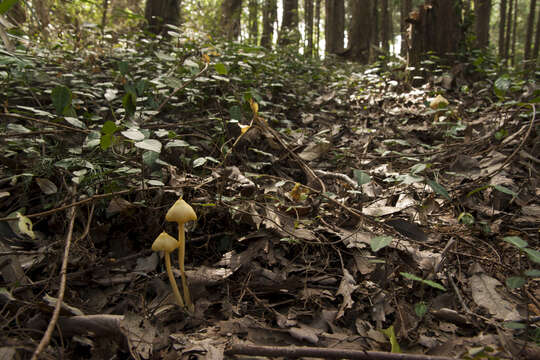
(326, 353)
(45, 122)
(63, 274)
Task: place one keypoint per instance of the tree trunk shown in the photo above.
(530, 29)
(502, 27)
(435, 26)
(514, 29)
(375, 38)
(269, 19)
(406, 8)
(482, 13)
(230, 18)
(508, 37)
(318, 25)
(308, 21)
(334, 26)
(158, 13)
(288, 34)
(536, 39)
(360, 30)
(42, 11)
(253, 21)
(385, 26)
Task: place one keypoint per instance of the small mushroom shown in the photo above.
(181, 212)
(166, 243)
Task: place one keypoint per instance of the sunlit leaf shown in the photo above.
(133, 134)
(379, 242)
(389, 332)
(75, 122)
(149, 144)
(516, 241)
(504, 190)
(221, 69)
(61, 99)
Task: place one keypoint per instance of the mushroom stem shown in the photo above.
(181, 257)
(176, 292)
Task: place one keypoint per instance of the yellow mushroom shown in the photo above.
(166, 243)
(181, 212)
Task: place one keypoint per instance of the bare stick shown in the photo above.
(48, 333)
(326, 353)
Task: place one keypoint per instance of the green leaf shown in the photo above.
(149, 144)
(5, 5)
(420, 309)
(515, 282)
(235, 112)
(534, 273)
(516, 241)
(61, 99)
(439, 189)
(133, 134)
(389, 332)
(129, 101)
(75, 122)
(199, 162)
(534, 255)
(221, 69)
(502, 85)
(415, 169)
(466, 218)
(106, 141)
(504, 190)
(427, 282)
(379, 242)
(514, 325)
(361, 177)
(123, 67)
(109, 127)
(434, 284)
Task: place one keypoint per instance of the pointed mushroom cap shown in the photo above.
(165, 242)
(181, 212)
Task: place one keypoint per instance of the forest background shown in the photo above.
(364, 176)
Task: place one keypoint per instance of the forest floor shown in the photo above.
(339, 208)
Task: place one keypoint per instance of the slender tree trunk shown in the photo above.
(385, 26)
(104, 15)
(269, 19)
(318, 24)
(158, 13)
(508, 36)
(375, 36)
(288, 34)
(536, 39)
(334, 26)
(253, 21)
(230, 18)
(361, 27)
(308, 21)
(406, 7)
(530, 29)
(502, 27)
(482, 13)
(514, 28)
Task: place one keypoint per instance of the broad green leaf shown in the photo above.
(516, 241)
(61, 99)
(150, 157)
(466, 218)
(515, 282)
(221, 69)
(502, 85)
(106, 141)
(533, 273)
(534, 255)
(199, 162)
(420, 309)
(504, 190)
(415, 169)
(24, 225)
(109, 127)
(379, 242)
(176, 143)
(5, 5)
(235, 112)
(361, 177)
(75, 122)
(439, 189)
(129, 101)
(133, 134)
(149, 144)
